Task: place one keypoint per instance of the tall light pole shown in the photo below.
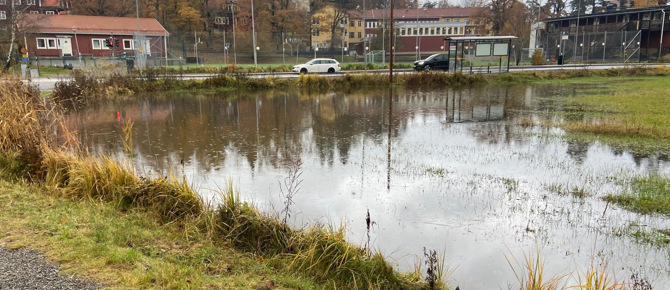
(253, 31)
(137, 16)
(74, 30)
(660, 45)
(232, 7)
(416, 3)
(574, 52)
(365, 38)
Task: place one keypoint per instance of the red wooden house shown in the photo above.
(80, 35)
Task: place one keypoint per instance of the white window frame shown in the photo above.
(101, 42)
(129, 46)
(3, 2)
(47, 43)
(55, 43)
(34, 12)
(50, 13)
(3, 14)
(17, 2)
(30, 2)
(44, 42)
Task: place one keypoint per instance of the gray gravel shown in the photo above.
(27, 269)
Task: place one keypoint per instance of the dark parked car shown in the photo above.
(435, 61)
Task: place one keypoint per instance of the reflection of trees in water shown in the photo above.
(275, 128)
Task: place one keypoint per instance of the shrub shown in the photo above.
(538, 58)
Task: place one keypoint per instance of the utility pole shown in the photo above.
(391, 46)
(365, 38)
(232, 7)
(137, 15)
(253, 31)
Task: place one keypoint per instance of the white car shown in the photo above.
(318, 65)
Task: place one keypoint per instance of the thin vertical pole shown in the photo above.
(253, 32)
(391, 45)
(234, 47)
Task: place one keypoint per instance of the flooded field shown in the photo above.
(460, 172)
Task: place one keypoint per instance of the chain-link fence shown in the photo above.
(592, 47)
(226, 47)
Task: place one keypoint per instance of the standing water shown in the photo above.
(449, 170)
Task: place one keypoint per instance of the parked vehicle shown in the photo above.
(318, 65)
(435, 61)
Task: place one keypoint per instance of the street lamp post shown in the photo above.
(416, 4)
(232, 8)
(74, 30)
(365, 38)
(253, 32)
(290, 46)
(315, 50)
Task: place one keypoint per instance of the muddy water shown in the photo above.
(445, 170)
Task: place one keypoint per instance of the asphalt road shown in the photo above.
(46, 84)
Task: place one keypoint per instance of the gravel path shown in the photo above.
(27, 269)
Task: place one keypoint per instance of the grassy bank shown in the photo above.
(129, 248)
(36, 148)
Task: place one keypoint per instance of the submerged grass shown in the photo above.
(65, 172)
(647, 195)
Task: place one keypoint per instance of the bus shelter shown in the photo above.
(479, 54)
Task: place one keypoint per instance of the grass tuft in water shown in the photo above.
(530, 273)
(648, 194)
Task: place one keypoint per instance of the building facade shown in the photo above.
(416, 30)
(610, 35)
(47, 7)
(87, 36)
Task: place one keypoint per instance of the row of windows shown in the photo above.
(18, 2)
(624, 19)
(375, 24)
(3, 13)
(431, 31)
(98, 43)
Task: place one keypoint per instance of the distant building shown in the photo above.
(48, 7)
(417, 30)
(612, 35)
(75, 35)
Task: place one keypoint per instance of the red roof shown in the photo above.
(412, 13)
(92, 24)
(51, 3)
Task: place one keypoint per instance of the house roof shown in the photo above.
(414, 13)
(610, 12)
(51, 3)
(91, 24)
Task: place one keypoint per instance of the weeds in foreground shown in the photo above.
(431, 270)
(289, 188)
(530, 273)
(597, 279)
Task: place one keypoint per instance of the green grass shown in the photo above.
(53, 71)
(131, 248)
(647, 195)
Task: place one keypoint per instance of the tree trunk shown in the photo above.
(11, 42)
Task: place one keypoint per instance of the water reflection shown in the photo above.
(437, 169)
